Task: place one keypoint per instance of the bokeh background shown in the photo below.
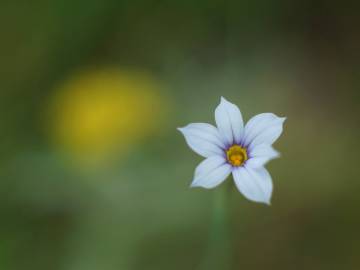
(94, 174)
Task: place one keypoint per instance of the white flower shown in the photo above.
(233, 148)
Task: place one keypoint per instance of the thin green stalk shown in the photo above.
(218, 254)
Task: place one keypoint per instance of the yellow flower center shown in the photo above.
(236, 155)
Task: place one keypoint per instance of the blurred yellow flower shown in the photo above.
(99, 113)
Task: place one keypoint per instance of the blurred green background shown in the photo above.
(94, 174)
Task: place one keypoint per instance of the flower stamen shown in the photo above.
(236, 155)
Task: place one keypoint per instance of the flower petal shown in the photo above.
(259, 155)
(263, 128)
(203, 138)
(229, 122)
(254, 184)
(211, 172)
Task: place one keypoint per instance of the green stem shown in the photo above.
(218, 254)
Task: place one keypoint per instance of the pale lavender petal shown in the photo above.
(203, 138)
(229, 122)
(254, 184)
(263, 128)
(211, 172)
(260, 155)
